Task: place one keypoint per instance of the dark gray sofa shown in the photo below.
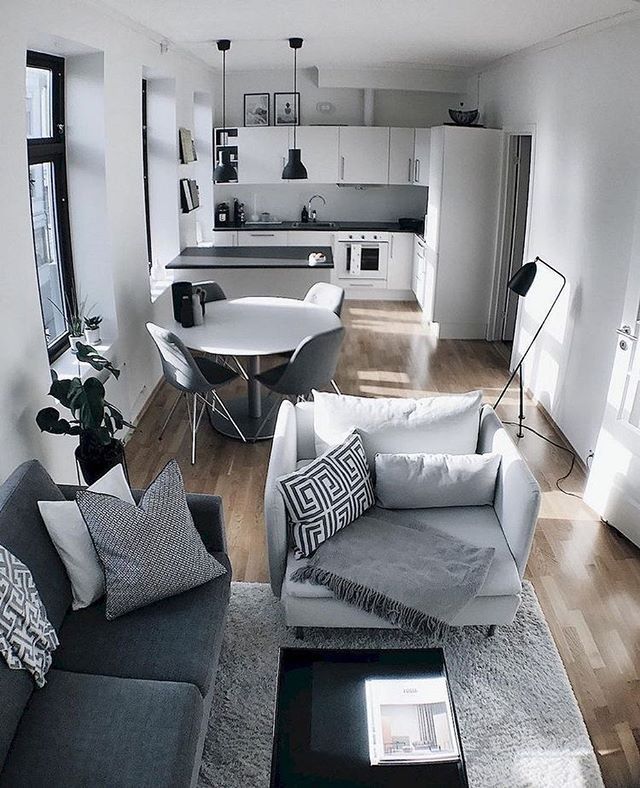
(126, 701)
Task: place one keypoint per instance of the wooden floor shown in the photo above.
(586, 575)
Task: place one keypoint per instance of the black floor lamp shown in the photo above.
(520, 283)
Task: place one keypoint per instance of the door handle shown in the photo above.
(410, 170)
(625, 331)
(341, 168)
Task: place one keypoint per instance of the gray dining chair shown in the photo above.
(214, 292)
(326, 295)
(312, 366)
(196, 378)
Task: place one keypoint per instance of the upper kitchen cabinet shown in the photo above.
(319, 152)
(401, 146)
(364, 154)
(262, 153)
(421, 157)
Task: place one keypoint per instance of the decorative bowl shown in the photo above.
(464, 117)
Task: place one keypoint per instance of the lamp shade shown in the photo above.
(294, 169)
(521, 281)
(225, 172)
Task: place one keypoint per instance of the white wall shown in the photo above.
(61, 26)
(582, 98)
(373, 203)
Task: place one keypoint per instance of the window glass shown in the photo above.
(47, 250)
(39, 111)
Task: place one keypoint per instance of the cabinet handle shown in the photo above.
(262, 235)
(418, 175)
(415, 171)
(341, 168)
(410, 170)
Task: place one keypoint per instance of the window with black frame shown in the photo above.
(48, 189)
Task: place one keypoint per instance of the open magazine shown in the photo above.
(410, 721)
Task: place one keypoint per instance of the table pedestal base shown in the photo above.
(238, 408)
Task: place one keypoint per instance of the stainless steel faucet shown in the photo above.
(312, 213)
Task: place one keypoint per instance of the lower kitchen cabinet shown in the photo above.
(263, 238)
(225, 238)
(400, 261)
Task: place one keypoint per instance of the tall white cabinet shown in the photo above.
(465, 175)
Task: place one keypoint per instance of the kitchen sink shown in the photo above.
(313, 224)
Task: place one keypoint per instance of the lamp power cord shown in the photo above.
(558, 446)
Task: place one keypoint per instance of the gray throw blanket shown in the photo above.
(416, 579)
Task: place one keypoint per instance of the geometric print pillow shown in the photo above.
(150, 551)
(27, 638)
(327, 494)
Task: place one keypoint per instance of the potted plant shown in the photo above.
(92, 329)
(94, 420)
(74, 321)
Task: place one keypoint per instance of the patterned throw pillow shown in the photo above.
(150, 551)
(27, 638)
(327, 494)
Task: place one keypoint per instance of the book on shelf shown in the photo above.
(185, 195)
(187, 146)
(410, 721)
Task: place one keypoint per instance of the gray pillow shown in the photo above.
(150, 551)
(424, 481)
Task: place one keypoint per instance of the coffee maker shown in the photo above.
(223, 215)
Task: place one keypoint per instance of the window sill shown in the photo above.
(68, 366)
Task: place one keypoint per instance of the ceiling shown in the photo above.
(361, 33)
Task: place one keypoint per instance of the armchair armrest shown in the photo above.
(283, 459)
(206, 510)
(518, 496)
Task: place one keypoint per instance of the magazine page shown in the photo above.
(410, 721)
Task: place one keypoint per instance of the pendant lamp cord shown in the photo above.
(295, 94)
(224, 89)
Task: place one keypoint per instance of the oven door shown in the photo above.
(364, 260)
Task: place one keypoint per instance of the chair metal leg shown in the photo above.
(335, 386)
(194, 429)
(276, 402)
(227, 415)
(168, 419)
(241, 369)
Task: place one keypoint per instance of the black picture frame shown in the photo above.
(279, 115)
(256, 111)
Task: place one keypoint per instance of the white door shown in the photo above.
(401, 156)
(319, 152)
(613, 487)
(422, 150)
(364, 154)
(400, 261)
(262, 152)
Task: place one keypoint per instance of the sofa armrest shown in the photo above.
(283, 459)
(206, 510)
(518, 496)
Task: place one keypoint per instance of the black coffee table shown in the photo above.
(320, 737)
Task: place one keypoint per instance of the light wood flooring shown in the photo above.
(586, 575)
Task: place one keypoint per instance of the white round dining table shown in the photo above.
(253, 327)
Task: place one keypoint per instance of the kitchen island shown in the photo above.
(254, 270)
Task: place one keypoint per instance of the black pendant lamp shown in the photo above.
(294, 169)
(224, 172)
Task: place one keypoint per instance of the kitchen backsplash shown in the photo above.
(285, 201)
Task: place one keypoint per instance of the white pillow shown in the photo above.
(71, 538)
(446, 424)
(424, 481)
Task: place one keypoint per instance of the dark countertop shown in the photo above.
(250, 257)
(382, 227)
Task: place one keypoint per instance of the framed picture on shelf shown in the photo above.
(256, 109)
(187, 146)
(286, 109)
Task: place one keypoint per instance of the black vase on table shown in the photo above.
(178, 291)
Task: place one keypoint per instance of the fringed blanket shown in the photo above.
(417, 580)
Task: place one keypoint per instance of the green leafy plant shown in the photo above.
(93, 419)
(74, 318)
(92, 322)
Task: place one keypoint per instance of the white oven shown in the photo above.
(362, 255)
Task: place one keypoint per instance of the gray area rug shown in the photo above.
(519, 720)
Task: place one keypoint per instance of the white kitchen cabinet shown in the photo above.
(319, 152)
(401, 147)
(418, 271)
(225, 238)
(462, 222)
(421, 156)
(263, 238)
(311, 238)
(364, 154)
(262, 153)
(400, 261)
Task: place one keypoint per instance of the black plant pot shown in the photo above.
(95, 459)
